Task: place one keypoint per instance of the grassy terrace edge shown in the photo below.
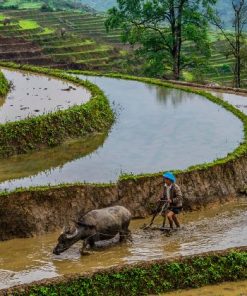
(4, 85)
(147, 278)
(53, 128)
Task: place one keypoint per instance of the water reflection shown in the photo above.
(157, 129)
(166, 96)
(46, 160)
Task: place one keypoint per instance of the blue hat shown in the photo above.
(169, 176)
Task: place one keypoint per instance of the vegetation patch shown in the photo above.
(4, 85)
(147, 278)
(28, 24)
(52, 129)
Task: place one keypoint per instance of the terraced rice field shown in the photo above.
(86, 44)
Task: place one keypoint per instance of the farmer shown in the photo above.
(172, 200)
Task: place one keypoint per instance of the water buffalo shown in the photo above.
(6, 21)
(96, 225)
(63, 32)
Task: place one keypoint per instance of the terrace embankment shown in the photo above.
(36, 211)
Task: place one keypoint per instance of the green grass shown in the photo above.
(20, 4)
(2, 17)
(30, 5)
(28, 24)
(47, 31)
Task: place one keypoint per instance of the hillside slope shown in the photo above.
(34, 37)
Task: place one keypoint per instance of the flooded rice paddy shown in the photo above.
(26, 260)
(156, 129)
(32, 95)
(236, 100)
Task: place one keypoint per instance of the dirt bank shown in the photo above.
(40, 210)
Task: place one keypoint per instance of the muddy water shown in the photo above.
(26, 260)
(225, 289)
(157, 129)
(33, 95)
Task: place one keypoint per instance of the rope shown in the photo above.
(99, 233)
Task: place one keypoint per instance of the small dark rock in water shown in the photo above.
(69, 88)
(27, 78)
(28, 94)
(36, 110)
(11, 105)
(24, 108)
(45, 88)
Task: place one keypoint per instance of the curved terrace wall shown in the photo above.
(54, 128)
(24, 213)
